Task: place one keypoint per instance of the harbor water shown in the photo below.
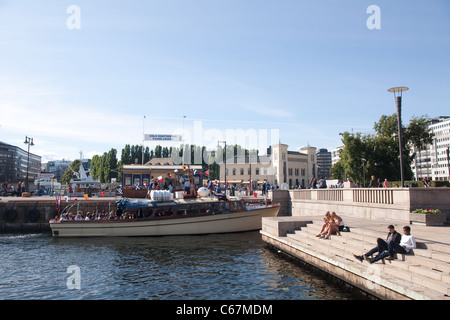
(211, 267)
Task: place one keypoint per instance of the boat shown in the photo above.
(84, 183)
(172, 217)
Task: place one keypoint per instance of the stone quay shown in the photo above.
(34, 213)
(422, 274)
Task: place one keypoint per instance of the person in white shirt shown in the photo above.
(407, 243)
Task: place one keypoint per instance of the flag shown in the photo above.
(176, 170)
(169, 175)
(207, 173)
(58, 205)
(103, 194)
(86, 197)
(160, 179)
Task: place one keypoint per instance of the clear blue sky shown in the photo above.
(309, 69)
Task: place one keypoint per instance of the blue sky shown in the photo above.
(305, 69)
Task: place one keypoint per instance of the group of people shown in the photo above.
(333, 224)
(98, 214)
(394, 243)
(318, 184)
(386, 249)
(9, 188)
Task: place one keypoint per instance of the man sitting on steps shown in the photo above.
(407, 243)
(382, 246)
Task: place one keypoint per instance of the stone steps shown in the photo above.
(436, 256)
(427, 270)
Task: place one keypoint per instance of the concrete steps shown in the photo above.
(425, 272)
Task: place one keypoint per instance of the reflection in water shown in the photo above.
(219, 267)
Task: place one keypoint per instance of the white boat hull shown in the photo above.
(219, 223)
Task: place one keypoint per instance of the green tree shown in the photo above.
(381, 150)
(69, 174)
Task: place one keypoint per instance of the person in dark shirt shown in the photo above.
(382, 246)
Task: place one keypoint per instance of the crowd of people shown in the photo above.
(98, 214)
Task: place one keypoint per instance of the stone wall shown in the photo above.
(369, 203)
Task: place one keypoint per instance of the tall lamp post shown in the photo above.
(364, 171)
(398, 92)
(218, 142)
(448, 161)
(29, 142)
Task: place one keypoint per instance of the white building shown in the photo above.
(434, 161)
(296, 168)
(335, 157)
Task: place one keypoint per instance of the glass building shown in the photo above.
(13, 165)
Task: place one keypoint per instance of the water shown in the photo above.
(212, 267)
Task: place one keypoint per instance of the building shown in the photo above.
(335, 155)
(143, 175)
(278, 166)
(58, 167)
(14, 163)
(324, 163)
(434, 160)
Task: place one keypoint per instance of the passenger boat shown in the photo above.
(200, 215)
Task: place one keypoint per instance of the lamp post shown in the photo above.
(29, 142)
(448, 161)
(398, 92)
(364, 171)
(225, 161)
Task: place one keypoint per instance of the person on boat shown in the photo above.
(78, 217)
(119, 212)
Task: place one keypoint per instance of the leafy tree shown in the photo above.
(381, 150)
(68, 174)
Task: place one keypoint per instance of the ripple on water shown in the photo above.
(222, 267)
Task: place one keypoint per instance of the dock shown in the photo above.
(33, 214)
(423, 274)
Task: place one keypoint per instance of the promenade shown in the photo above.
(420, 275)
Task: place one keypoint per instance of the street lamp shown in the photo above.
(448, 161)
(29, 142)
(364, 171)
(398, 92)
(218, 142)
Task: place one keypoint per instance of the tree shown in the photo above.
(381, 150)
(68, 174)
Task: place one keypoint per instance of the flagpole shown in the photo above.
(143, 138)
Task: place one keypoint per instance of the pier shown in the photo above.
(422, 274)
(33, 214)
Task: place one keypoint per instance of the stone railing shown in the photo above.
(370, 203)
